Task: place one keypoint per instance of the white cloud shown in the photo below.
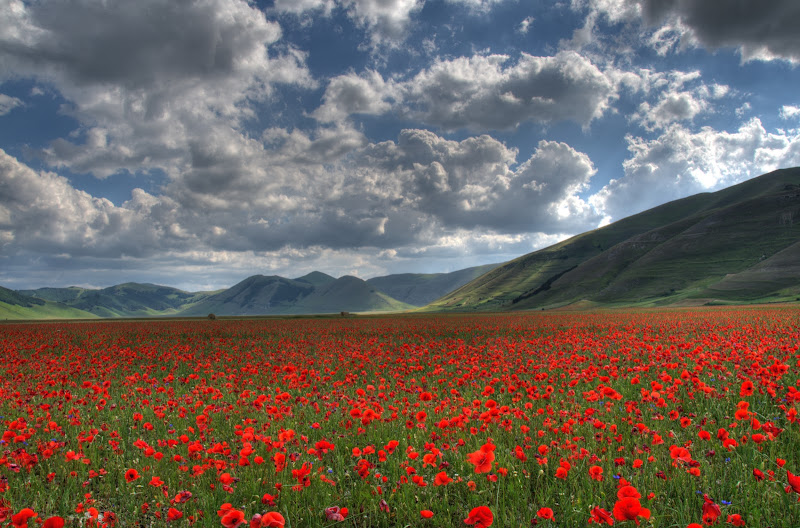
(681, 96)
(355, 94)
(8, 103)
(789, 112)
(525, 25)
(482, 92)
(148, 91)
(679, 163)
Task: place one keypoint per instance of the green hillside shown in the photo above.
(419, 289)
(255, 295)
(348, 294)
(679, 251)
(14, 305)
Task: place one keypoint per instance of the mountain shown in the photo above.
(419, 289)
(255, 295)
(739, 244)
(123, 300)
(15, 305)
(348, 294)
(316, 279)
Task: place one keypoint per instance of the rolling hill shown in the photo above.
(419, 289)
(16, 305)
(738, 244)
(123, 300)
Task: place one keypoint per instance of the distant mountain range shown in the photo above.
(737, 245)
(314, 293)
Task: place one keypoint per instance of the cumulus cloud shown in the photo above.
(144, 90)
(42, 212)
(680, 162)
(8, 103)
(789, 112)
(331, 190)
(680, 96)
(525, 25)
(482, 92)
(355, 94)
(386, 21)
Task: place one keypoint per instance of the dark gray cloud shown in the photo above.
(759, 29)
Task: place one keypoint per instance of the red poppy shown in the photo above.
(174, 515)
(273, 520)
(481, 517)
(53, 522)
(735, 520)
(482, 459)
(545, 513)
(628, 491)
(711, 510)
(20, 519)
(794, 483)
(131, 475)
(600, 516)
(426, 514)
(232, 518)
(629, 509)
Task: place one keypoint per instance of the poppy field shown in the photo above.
(681, 418)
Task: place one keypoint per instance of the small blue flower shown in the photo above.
(726, 503)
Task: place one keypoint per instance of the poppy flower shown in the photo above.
(426, 514)
(711, 510)
(53, 522)
(628, 491)
(735, 520)
(20, 519)
(131, 475)
(232, 518)
(481, 517)
(629, 509)
(174, 515)
(333, 514)
(794, 483)
(272, 520)
(600, 516)
(482, 459)
(545, 513)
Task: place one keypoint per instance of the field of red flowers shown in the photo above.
(663, 419)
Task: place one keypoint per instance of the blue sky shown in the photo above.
(196, 143)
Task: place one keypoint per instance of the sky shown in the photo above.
(194, 143)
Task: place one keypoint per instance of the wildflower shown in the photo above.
(426, 514)
(735, 520)
(483, 458)
(629, 509)
(231, 518)
(334, 513)
(600, 516)
(54, 522)
(272, 520)
(711, 510)
(131, 475)
(481, 517)
(545, 513)
(794, 483)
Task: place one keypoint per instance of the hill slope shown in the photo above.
(419, 289)
(15, 305)
(706, 246)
